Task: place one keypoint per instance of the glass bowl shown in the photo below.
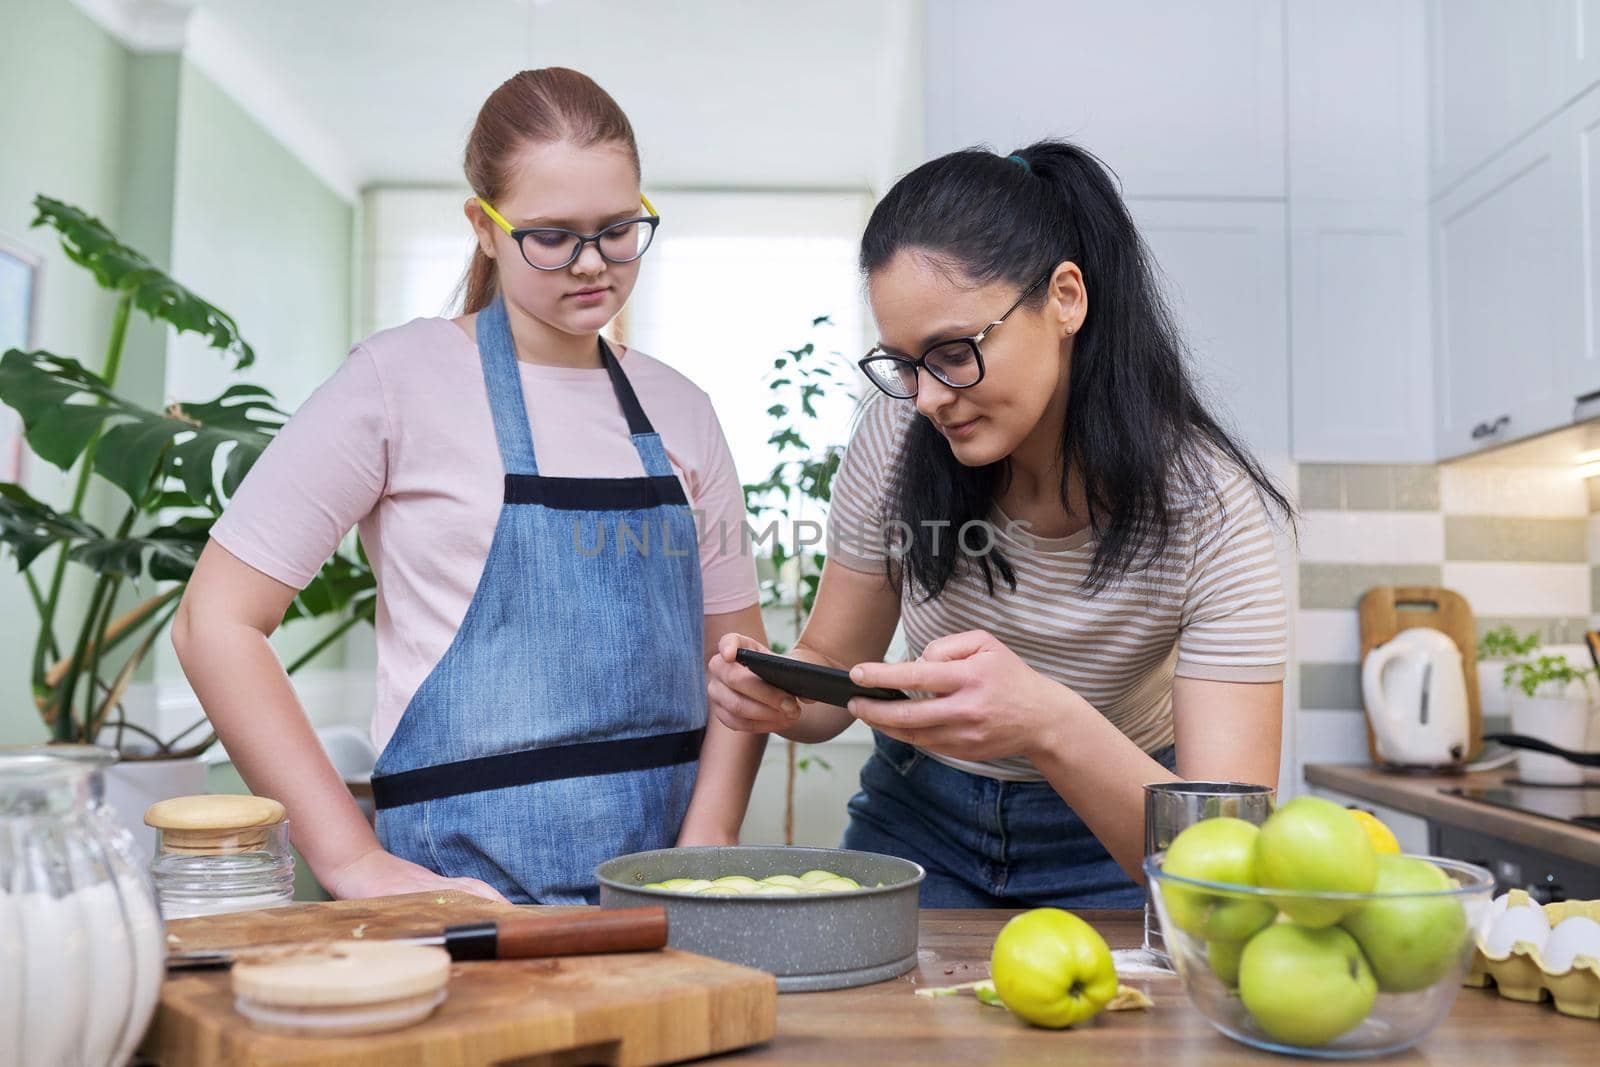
(1333, 975)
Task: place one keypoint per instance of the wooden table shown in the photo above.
(885, 1024)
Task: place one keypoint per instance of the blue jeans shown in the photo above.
(985, 843)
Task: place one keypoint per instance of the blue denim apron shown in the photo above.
(562, 726)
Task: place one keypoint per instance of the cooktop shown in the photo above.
(1574, 804)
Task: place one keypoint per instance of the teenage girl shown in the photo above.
(528, 497)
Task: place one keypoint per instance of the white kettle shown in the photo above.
(1416, 696)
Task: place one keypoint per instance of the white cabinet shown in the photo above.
(1357, 92)
(1359, 331)
(1223, 268)
(1508, 293)
(1498, 69)
(1179, 99)
(1583, 133)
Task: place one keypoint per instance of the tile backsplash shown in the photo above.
(1522, 544)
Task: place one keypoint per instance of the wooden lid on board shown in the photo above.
(343, 973)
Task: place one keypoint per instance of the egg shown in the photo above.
(1492, 915)
(1572, 937)
(1527, 923)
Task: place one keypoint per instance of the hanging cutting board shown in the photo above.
(634, 1008)
(1386, 610)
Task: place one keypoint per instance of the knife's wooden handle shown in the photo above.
(582, 934)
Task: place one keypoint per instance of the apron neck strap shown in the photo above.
(512, 431)
(498, 354)
(638, 422)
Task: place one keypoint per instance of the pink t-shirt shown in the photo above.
(400, 442)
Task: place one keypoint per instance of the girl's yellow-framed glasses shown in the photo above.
(556, 248)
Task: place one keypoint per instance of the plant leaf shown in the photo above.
(62, 402)
(29, 526)
(168, 553)
(57, 399)
(245, 417)
(88, 242)
(342, 583)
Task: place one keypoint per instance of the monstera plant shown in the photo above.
(172, 472)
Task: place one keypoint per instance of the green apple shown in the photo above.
(1224, 959)
(1411, 942)
(1052, 968)
(1305, 986)
(1215, 850)
(1312, 844)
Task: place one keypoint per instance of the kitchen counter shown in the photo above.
(878, 1025)
(886, 1024)
(1418, 794)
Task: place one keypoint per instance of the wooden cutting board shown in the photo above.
(1386, 610)
(636, 1008)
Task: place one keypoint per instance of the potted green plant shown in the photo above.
(1496, 649)
(1548, 698)
(791, 498)
(171, 472)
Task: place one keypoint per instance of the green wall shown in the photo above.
(173, 165)
(64, 86)
(260, 236)
(264, 239)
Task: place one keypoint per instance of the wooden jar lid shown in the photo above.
(343, 974)
(214, 822)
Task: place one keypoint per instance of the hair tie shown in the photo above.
(1019, 161)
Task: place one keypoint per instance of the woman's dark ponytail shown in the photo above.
(1135, 428)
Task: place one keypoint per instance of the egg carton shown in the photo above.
(1520, 974)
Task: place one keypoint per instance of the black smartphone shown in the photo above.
(799, 678)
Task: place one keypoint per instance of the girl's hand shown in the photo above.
(985, 704)
(379, 874)
(739, 699)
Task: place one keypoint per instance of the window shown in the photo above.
(416, 246)
(735, 279)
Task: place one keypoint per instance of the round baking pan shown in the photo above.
(809, 942)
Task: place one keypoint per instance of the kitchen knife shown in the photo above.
(511, 938)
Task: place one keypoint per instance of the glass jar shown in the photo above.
(223, 853)
(81, 946)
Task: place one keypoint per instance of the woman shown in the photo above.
(1077, 551)
(527, 497)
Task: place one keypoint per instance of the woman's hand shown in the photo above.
(739, 699)
(379, 874)
(986, 703)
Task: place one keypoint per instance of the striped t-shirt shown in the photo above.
(1211, 606)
